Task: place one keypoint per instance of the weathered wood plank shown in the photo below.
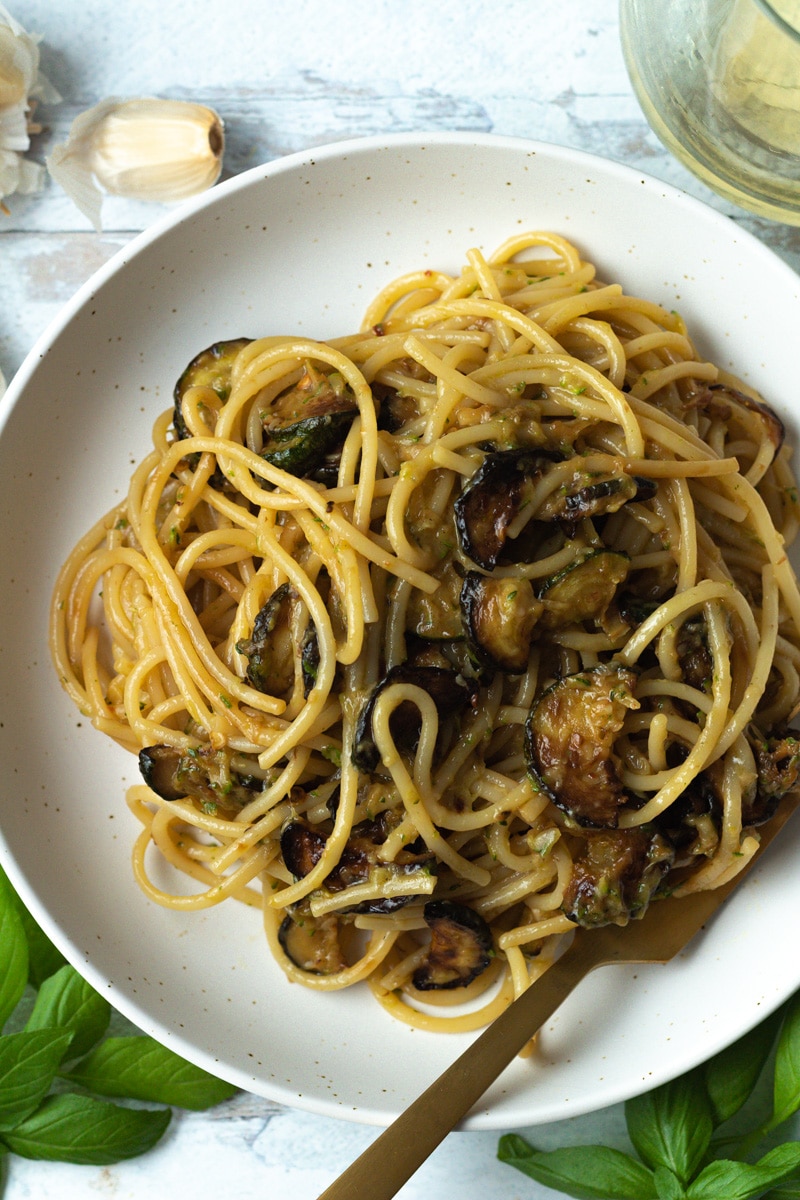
(39, 272)
(47, 248)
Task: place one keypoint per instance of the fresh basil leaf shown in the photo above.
(13, 952)
(28, 1066)
(671, 1125)
(744, 1181)
(786, 1092)
(44, 959)
(668, 1186)
(67, 1001)
(586, 1172)
(787, 1191)
(80, 1129)
(731, 1075)
(140, 1068)
(42, 955)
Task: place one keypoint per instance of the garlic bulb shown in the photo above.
(21, 85)
(145, 149)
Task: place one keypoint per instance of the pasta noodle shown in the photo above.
(441, 638)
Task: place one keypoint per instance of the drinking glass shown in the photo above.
(719, 83)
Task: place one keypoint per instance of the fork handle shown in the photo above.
(383, 1168)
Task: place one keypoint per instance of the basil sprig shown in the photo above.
(683, 1150)
(55, 1069)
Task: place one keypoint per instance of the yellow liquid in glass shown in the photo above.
(758, 71)
(729, 108)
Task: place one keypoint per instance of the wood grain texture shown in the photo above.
(286, 78)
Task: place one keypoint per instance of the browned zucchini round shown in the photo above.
(449, 691)
(505, 483)
(498, 617)
(460, 947)
(309, 658)
(692, 822)
(312, 943)
(591, 494)
(778, 763)
(694, 656)
(721, 400)
(492, 499)
(569, 742)
(160, 767)
(302, 448)
(270, 648)
(436, 616)
(395, 409)
(302, 846)
(615, 876)
(583, 590)
(210, 368)
(204, 775)
(308, 422)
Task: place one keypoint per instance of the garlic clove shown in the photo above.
(145, 149)
(18, 174)
(14, 127)
(19, 61)
(13, 85)
(20, 77)
(21, 84)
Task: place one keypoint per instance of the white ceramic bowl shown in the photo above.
(301, 245)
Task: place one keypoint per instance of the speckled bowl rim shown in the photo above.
(352, 214)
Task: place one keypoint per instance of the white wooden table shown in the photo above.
(286, 75)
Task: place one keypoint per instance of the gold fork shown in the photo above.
(665, 929)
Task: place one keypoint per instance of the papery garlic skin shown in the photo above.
(144, 149)
(18, 65)
(21, 84)
(18, 174)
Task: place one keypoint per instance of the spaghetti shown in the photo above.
(439, 639)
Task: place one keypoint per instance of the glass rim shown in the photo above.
(767, 7)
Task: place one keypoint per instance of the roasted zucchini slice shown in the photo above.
(694, 655)
(615, 876)
(569, 742)
(499, 616)
(460, 947)
(309, 658)
(583, 590)
(308, 422)
(312, 943)
(302, 846)
(212, 777)
(270, 649)
(634, 609)
(778, 763)
(721, 401)
(506, 482)
(493, 497)
(693, 821)
(450, 692)
(210, 368)
(394, 408)
(302, 448)
(592, 494)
